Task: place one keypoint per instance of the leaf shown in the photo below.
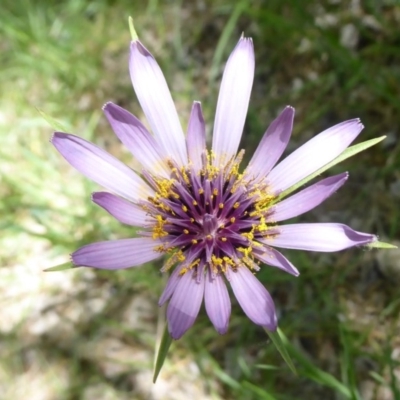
(61, 267)
(381, 245)
(57, 126)
(259, 392)
(309, 370)
(280, 342)
(349, 152)
(163, 349)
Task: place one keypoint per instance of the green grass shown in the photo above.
(84, 334)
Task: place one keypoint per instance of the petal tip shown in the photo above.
(107, 105)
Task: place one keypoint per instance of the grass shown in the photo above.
(85, 334)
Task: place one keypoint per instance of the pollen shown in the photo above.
(184, 208)
(236, 205)
(186, 232)
(221, 206)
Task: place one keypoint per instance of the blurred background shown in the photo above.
(90, 335)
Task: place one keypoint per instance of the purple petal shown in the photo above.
(185, 304)
(122, 210)
(217, 302)
(233, 101)
(196, 136)
(101, 167)
(276, 259)
(254, 299)
(170, 287)
(318, 237)
(156, 101)
(272, 145)
(307, 199)
(116, 254)
(314, 154)
(137, 139)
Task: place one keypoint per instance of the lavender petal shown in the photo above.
(116, 254)
(156, 101)
(217, 302)
(101, 167)
(122, 210)
(254, 299)
(196, 136)
(184, 305)
(137, 139)
(314, 154)
(324, 237)
(272, 145)
(170, 286)
(274, 258)
(307, 199)
(233, 101)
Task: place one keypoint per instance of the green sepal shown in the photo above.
(61, 267)
(349, 152)
(132, 30)
(162, 352)
(381, 245)
(57, 126)
(280, 341)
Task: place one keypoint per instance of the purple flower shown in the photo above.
(215, 223)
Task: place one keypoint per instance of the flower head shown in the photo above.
(215, 222)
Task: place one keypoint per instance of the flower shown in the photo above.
(215, 223)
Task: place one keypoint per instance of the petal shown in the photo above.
(137, 139)
(254, 299)
(233, 101)
(276, 259)
(318, 237)
(170, 287)
(307, 199)
(313, 155)
(122, 210)
(272, 145)
(196, 136)
(217, 302)
(116, 254)
(185, 304)
(156, 101)
(101, 167)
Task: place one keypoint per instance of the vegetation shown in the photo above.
(86, 334)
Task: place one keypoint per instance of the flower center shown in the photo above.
(212, 216)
